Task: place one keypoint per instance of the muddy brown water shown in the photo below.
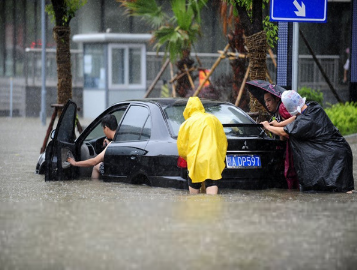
(95, 225)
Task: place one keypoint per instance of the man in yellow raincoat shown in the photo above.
(203, 144)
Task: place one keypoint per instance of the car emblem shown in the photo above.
(245, 145)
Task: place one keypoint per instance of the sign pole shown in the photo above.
(296, 11)
(295, 57)
(284, 55)
(353, 53)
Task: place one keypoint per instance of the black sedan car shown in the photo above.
(144, 149)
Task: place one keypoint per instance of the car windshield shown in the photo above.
(227, 114)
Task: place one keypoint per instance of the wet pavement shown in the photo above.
(95, 225)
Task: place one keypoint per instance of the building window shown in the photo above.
(126, 66)
(94, 66)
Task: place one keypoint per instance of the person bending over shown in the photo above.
(203, 144)
(322, 156)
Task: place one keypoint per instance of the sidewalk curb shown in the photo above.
(351, 139)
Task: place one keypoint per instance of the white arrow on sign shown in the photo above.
(301, 9)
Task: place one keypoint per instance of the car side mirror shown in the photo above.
(53, 132)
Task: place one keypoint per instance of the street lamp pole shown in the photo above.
(43, 60)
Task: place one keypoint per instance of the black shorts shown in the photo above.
(208, 183)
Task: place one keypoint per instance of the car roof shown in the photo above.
(168, 102)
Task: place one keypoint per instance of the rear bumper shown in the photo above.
(169, 182)
(241, 183)
(155, 181)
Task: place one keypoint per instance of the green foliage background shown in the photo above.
(312, 95)
(70, 9)
(175, 34)
(344, 117)
(271, 28)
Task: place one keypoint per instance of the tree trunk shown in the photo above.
(257, 50)
(63, 58)
(183, 86)
(236, 42)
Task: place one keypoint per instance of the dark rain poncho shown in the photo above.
(322, 156)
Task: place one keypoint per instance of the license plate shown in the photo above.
(243, 161)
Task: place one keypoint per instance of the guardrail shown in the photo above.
(34, 62)
(309, 74)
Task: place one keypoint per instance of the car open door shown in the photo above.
(62, 145)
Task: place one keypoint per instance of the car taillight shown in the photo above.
(181, 163)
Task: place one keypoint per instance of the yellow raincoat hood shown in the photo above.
(202, 142)
(194, 105)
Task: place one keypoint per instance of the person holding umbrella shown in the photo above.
(268, 95)
(272, 104)
(322, 156)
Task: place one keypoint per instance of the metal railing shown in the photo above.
(34, 63)
(309, 75)
(155, 61)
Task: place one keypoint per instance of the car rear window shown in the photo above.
(226, 114)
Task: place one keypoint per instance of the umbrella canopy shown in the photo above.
(259, 87)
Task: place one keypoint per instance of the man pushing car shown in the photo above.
(202, 143)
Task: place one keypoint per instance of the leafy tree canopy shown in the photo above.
(61, 12)
(246, 7)
(175, 34)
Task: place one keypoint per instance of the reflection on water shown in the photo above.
(95, 225)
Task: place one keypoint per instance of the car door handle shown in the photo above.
(133, 157)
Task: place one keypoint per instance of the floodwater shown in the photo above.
(95, 225)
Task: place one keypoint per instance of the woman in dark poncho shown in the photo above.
(322, 156)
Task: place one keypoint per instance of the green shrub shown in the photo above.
(312, 95)
(344, 117)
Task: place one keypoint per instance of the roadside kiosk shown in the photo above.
(114, 69)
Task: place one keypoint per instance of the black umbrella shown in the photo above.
(259, 87)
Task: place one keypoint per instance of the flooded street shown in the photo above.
(96, 225)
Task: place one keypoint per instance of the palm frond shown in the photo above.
(183, 13)
(175, 34)
(174, 40)
(196, 6)
(187, 12)
(147, 9)
(194, 33)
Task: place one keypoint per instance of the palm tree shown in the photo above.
(175, 34)
(258, 33)
(236, 41)
(62, 12)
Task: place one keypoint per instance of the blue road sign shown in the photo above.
(298, 10)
